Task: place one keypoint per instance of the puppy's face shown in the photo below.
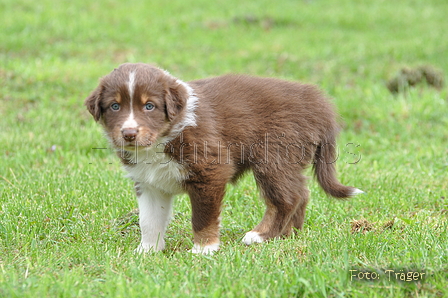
(137, 104)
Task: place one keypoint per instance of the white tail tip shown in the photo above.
(356, 192)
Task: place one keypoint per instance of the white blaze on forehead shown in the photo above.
(131, 84)
(130, 122)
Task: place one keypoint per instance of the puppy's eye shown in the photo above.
(149, 106)
(115, 106)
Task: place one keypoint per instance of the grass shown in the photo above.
(65, 227)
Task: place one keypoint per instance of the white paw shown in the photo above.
(205, 250)
(146, 247)
(356, 192)
(252, 237)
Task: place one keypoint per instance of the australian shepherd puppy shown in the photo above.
(176, 137)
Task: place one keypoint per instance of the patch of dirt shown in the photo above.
(363, 225)
(388, 225)
(409, 77)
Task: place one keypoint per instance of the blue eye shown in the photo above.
(115, 106)
(149, 106)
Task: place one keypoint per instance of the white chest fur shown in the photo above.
(157, 169)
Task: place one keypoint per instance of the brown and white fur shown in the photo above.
(175, 137)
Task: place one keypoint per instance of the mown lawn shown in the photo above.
(66, 227)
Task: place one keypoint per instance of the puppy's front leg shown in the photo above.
(206, 201)
(155, 208)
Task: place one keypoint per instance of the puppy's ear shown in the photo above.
(175, 99)
(93, 102)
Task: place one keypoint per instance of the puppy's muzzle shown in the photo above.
(129, 134)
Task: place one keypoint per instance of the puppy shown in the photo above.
(175, 137)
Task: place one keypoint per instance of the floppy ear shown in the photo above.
(93, 102)
(175, 99)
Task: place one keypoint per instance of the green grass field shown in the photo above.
(65, 223)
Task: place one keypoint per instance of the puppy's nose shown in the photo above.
(129, 134)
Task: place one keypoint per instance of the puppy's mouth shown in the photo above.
(135, 145)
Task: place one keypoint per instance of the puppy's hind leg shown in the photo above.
(281, 205)
(299, 215)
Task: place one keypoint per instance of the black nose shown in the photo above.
(129, 134)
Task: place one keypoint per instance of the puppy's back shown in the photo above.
(266, 104)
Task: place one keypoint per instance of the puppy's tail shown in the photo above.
(325, 171)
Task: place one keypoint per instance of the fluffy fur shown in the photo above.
(175, 137)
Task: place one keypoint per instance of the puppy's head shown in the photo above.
(138, 104)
